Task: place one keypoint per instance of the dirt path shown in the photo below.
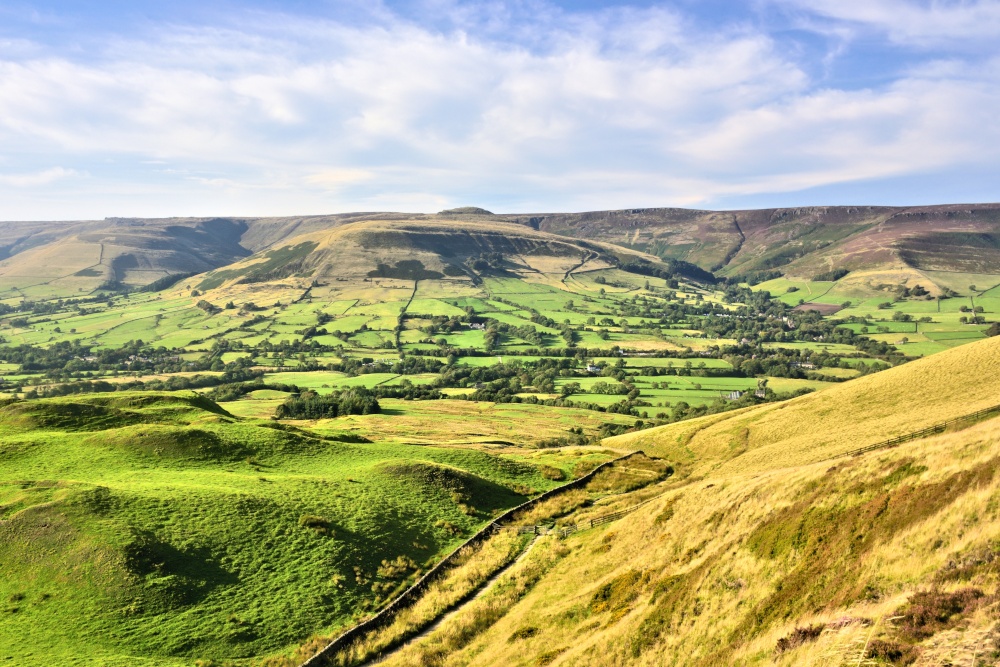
(483, 589)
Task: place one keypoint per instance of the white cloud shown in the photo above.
(621, 107)
(334, 179)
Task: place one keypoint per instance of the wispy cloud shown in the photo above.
(505, 104)
(36, 179)
(955, 24)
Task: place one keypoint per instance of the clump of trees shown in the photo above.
(310, 405)
(831, 276)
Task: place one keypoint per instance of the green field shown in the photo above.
(162, 527)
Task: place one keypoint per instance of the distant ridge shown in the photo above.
(893, 244)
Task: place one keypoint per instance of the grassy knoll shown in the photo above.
(143, 528)
(469, 423)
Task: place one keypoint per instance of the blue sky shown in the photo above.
(129, 108)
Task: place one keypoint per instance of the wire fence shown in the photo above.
(966, 420)
(569, 529)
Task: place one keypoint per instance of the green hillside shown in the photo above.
(156, 529)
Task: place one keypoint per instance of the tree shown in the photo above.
(570, 388)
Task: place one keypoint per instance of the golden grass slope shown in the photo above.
(817, 426)
(775, 556)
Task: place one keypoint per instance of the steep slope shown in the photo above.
(828, 423)
(887, 244)
(768, 549)
(79, 257)
(801, 241)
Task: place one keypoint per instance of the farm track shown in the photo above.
(476, 594)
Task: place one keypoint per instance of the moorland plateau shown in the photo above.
(223, 441)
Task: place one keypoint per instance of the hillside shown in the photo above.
(143, 528)
(768, 549)
(423, 250)
(941, 246)
(67, 259)
(801, 242)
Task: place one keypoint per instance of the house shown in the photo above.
(733, 395)
(477, 326)
(591, 368)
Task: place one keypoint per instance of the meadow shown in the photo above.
(917, 325)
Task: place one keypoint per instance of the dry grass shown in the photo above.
(476, 566)
(441, 646)
(725, 566)
(818, 426)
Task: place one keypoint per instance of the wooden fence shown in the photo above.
(602, 519)
(923, 433)
(412, 594)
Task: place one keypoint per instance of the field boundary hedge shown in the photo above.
(411, 594)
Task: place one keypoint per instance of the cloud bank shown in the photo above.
(514, 106)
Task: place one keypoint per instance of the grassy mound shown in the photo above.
(175, 533)
(473, 492)
(66, 416)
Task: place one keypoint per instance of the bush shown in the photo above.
(891, 652)
(316, 522)
(831, 276)
(526, 632)
(799, 636)
(929, 612)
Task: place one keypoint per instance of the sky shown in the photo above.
(257, 108)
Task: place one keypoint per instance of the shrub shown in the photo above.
(315, 522)
(831, 276)
(893, 653)
(799, 636)
(526, 632)
(928, 612)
